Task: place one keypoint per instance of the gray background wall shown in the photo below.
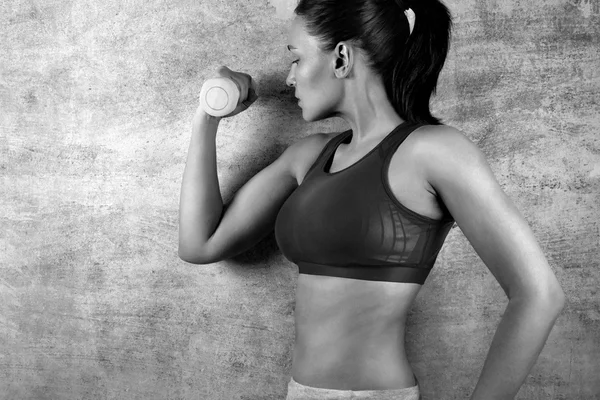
(95, 106)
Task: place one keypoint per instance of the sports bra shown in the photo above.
(349, 224)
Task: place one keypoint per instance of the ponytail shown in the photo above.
(413, 75)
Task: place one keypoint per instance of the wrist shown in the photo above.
(201, 117)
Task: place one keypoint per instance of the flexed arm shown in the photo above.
(209, 232)
(200, 202)
(201, 205)
(459, 173)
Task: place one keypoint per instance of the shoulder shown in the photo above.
(310, 143)
(301, 154)
(445, 153)
(442, 140)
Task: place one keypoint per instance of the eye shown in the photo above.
(295, 61)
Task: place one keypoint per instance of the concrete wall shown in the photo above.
(95, 105)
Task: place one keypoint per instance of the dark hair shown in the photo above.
(409, 63)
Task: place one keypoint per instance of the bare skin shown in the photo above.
(481, 210)
(350, 333)
(372, 356)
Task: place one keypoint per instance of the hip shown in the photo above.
(346, 364)
(298, 391)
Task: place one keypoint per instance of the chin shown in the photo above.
(307, 115)
(307, 118)
(314, 115)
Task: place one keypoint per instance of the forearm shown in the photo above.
(200, 204)
(518, 341)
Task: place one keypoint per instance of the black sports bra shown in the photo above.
(349, 224)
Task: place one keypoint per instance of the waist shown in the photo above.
(350, 333)
(353, 365)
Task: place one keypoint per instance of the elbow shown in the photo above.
(192, 249)
(559, 300)
(548, 302)
(553, 306)
(193, 255)
(554, 299)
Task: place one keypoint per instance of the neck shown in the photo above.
(368, 110)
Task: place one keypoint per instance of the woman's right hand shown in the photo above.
(245, 84)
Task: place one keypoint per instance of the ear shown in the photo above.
(344, 60)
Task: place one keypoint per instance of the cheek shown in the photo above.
(313, 75)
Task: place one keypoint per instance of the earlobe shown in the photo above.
(343, 61)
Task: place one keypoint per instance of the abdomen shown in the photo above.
(350, 333)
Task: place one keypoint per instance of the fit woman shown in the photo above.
(364, 213)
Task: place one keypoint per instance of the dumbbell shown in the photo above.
(219, 96)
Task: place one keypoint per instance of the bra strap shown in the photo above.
(326, 152)
(397, 139)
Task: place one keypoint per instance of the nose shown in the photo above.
(291, 78)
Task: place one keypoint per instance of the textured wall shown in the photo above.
(95, 104)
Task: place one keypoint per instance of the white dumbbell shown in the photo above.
(219, 96)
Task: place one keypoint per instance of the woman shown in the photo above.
(364, 213)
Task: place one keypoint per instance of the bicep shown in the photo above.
(251, 214)
(489, 219)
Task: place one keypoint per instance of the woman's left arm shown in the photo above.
(459, 173)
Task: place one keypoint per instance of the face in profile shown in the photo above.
(312, 74)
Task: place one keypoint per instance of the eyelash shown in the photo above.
(295, 61)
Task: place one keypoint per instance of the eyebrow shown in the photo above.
(290, 47)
